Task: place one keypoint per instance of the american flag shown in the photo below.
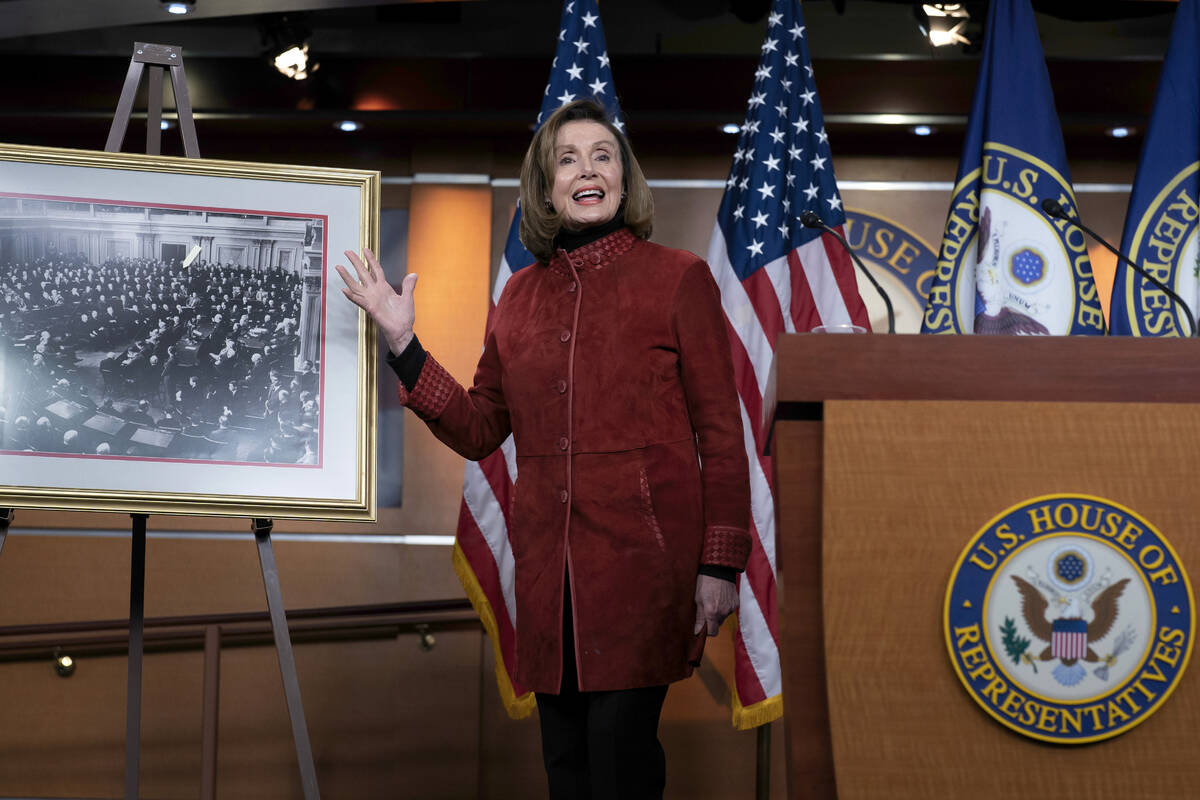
(483, 557)
(775, 276)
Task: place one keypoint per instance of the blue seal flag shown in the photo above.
(1004, 267)
(1160, 225)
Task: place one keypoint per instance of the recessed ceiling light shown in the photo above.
(730, 128)
(178, 6)
(922, 130)
(348, 125)
(1119, 132)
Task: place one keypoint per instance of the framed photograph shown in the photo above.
(173, 339)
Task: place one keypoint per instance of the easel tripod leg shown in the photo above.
(133, 692)
(287, 663)
(212, 707)
(6, 518)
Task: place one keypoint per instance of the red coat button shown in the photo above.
(562, 496)
(564, 336)
(563, 444)
(571, 286)
(562, 387)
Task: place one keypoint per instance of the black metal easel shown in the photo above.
(161, 57)
(6, 518)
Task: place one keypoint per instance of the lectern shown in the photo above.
(889, 454)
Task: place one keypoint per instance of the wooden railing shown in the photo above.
(211, 632)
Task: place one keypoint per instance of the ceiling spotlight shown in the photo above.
(1119, 132)
(293, 62)
(178, 6)
(285, 43)
(922, 130)
(731, 128)
(165, 124)
(954, 35)
(348, 125)
(943, 23)
(952, 10)
(64, 665)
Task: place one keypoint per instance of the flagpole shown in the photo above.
(762, 773)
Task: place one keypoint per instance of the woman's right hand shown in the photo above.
(393, 312)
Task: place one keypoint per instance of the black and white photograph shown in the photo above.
(170, 338)
(158, 332)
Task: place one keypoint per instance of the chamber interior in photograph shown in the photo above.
(160, 332)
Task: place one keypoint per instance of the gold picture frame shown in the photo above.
(170, 344)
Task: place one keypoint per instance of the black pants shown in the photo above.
(601, 745)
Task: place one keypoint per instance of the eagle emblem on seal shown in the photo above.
(1069, 636)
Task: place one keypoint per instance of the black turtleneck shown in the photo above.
(570, 240)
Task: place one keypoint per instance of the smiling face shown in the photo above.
(586, 188)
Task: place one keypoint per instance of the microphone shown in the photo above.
(1054, 209)
(810, 219)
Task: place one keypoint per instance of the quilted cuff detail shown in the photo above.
(432, 392)
(726, 547)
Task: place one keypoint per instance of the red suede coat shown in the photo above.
(611, 367)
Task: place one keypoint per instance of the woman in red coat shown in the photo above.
(608, 362)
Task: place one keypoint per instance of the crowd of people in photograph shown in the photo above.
(203, 357)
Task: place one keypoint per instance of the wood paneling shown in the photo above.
(906, 486)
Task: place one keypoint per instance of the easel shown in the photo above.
(161, 57)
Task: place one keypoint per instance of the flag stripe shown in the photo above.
(746, 683)
(488, 575)
(763, 297)
(805, 315)
(762, 504)
(756, 351)
(487, 514)
(743, 379)
(502, 277)
(842, 268)
(780, 273)
(819, 273)
(761, 650)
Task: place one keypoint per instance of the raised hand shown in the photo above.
(393, 312)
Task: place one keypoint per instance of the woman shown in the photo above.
(608, 362)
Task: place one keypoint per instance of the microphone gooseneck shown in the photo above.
(810, 219)
(1054, 209)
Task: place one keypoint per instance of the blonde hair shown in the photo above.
(540, 223)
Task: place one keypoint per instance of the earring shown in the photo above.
(549, 206)
(622, 195)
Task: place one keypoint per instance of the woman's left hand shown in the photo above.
(716, 599)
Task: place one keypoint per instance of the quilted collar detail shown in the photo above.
(595, 255)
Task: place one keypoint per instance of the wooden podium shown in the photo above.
(889, 454)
